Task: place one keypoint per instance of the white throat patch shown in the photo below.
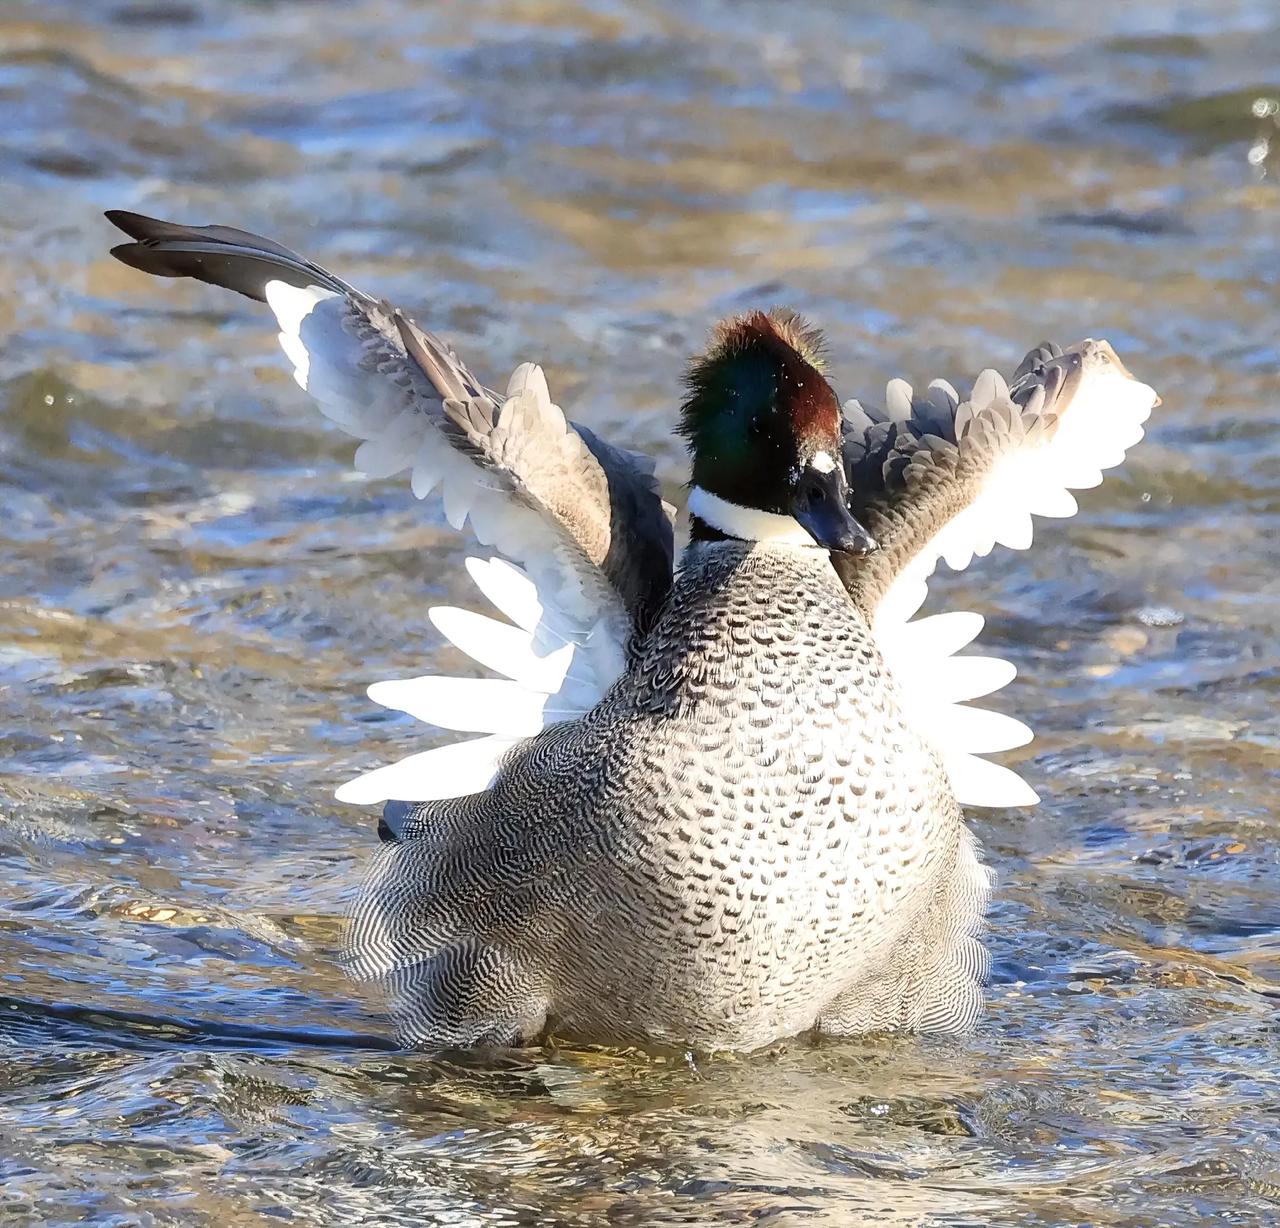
(748, 523)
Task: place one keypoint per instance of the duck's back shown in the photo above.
(741, 832)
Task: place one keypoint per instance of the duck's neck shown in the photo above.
(712, 518)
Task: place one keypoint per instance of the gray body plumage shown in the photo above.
(744, 840)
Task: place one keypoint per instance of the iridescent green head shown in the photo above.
(763, 426)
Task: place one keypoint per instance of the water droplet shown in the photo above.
(1160, 616)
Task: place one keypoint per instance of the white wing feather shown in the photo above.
(1103, 420)
(446, 771)
(567, 644)
(470, 705)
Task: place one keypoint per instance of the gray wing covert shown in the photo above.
(937, 476)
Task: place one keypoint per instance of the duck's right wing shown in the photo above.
(580, 538)
(937, 477)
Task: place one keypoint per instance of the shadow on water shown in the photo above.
(60, 1025)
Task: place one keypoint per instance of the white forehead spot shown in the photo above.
(822, 462)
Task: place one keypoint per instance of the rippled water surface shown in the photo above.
(195, 589)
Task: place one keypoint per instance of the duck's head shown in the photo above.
(763, 427)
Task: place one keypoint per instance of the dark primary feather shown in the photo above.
(218, 255)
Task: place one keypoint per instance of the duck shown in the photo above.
(712, 802)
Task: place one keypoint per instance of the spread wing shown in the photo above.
(580, 543)
(937, 477)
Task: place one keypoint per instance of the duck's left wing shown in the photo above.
(581, 539)
(935, 476)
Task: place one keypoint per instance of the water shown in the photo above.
(195, 589)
